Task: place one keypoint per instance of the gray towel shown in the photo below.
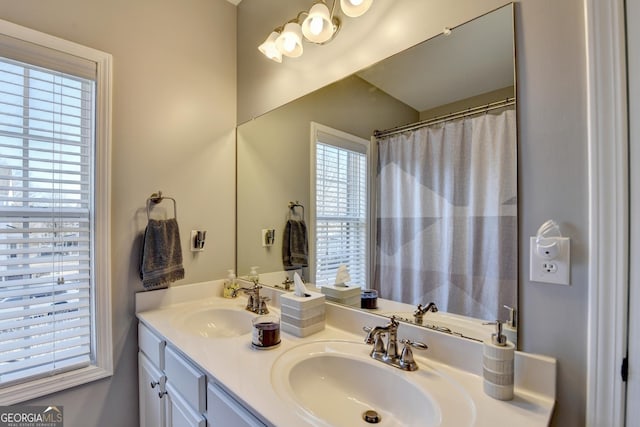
(161, 260)
(295, 248)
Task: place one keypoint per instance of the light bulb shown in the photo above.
(268, 48)
(289, 44)
(316, 25)
(355, 8)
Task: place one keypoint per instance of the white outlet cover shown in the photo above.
(556, 270)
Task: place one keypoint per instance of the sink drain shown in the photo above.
(371, 417)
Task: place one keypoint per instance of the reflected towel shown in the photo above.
(295, 248)
(161, 260)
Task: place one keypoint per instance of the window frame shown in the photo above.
(315, 130)
(101, 305)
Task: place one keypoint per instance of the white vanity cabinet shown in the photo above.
(225, 411)
(186, 391)
(151, 379)
(171, 389)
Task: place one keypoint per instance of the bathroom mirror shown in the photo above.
(472, 66)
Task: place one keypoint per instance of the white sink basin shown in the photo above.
(217, 322)
(333, 383)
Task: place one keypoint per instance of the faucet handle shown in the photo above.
(262, 306)
(377, 341)
(512, 316)
(394, 322)
(415, 344)
(406, 358)
(368, 330)
(249, 302)
(378, 344)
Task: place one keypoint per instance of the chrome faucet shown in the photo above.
(255, 303)
(389, 354)
(418, 315)
(286, 284)
(375, 335)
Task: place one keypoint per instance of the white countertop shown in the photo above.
(246, 372)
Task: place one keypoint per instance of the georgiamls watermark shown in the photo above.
(31, 416)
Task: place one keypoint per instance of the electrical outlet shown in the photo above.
(555, 270)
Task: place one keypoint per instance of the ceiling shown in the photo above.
(484, 45)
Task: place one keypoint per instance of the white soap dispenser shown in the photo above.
(253, 275)
(510, 328)
(497, 365)
(230, 286)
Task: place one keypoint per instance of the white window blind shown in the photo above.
(341, 209)
(47, 136)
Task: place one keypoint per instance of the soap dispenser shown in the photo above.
(497, 365)
(253, 275)
(230, 285)
(510, 328)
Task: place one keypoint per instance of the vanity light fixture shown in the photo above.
(355, 8)
(269, 49)
(319, 26)
(289, 42)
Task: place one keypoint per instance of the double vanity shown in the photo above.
(197, 367)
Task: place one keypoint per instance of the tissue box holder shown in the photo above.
(302, 316)
(347, 295)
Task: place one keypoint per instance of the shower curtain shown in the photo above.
(446, 216)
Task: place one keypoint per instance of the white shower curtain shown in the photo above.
(446, 214)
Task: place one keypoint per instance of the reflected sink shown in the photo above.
(217, 322)
(334, 383)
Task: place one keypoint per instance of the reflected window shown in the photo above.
(340, 224)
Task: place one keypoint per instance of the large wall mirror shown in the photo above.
(439, 204)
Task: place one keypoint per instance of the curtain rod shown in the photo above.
(451, 116)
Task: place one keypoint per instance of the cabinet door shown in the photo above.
(180, 413)
(188, 380)
(152, 406)
(224, 411)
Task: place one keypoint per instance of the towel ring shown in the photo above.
(156, 198)
(293, 206)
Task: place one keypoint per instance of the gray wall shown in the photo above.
(174, 105)
(552, 136)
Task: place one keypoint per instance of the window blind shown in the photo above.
(47, 140)
(341, 212)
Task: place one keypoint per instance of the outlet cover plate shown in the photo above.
(557, 270)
